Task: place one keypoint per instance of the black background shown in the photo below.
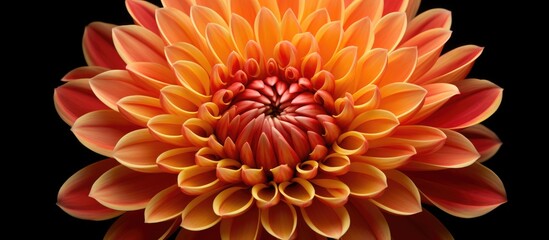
(45, 153)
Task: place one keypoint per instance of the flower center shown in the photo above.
(272, 122)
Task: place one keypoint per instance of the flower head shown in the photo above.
(290, 119)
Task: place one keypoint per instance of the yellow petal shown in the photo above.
(201, 16)
(196, 180)
(219, 41)
(193, 76)
(177, 27)
(198, 215)
(386, 156)
(326, 220)
(364, 180)
(232, 202)
(351, 143)
(401, 195)
(139, 109)
(366, 98)
(402, 99)
(166, 205)
(331, 192)
(181, 101)
(228, 170)
(342, 66)
(299, 192)
(151, 74)
(139, 150)
(280, 220)
(375, 124)
(167, 128)
(335, 164)
(424, 139)
(174, 160)
(307, 169)
(266, 195)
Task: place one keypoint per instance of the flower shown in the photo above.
(289, 119)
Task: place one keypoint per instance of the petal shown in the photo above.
(452, 66)
(422, 225)
(400, 66)
(181, 5)
(366, 98)
(166, 205)
(335, 8)
(315, 21)
(342, 66)
(152, 74)
(464, 192)
(437, 95)
(220, 41)
(197, 131)
(331, 192)
(132, 226)
(128, 38)
(329, 37)
(370, 67)
(175, 160)
(232, 202)
(299, 192)
(390, 6)
(424, 139)
(181, 101)
(124, 189)
(188, 52)
(241, 30)
(139, 150)
(101, 130)
(246, 9)
(198, 214)
(289, 25)
(430, 19)
(245, 226)
(73, 197)
(360, 9)
(267, 31)
(457, 152)
(219, 6)
(364, 180)
(280, 220)
(142, 13)
(386, 156)
(402, 99)
(390, 30)
(401, 195)
(485, 141)
(74, 99)
(429, 46)
(335, 164)
(412, 8)
(167, 128)
(111, 86)
(84, 72)
(359, 34)
(193, 76)
(478, 100)
(367, 222)
(265, 195)
(374, 124)
(350, 143)
(326, 220)
(139, 109)
(196, 180)
(99, 48)
(201, 16)
(211, 233)
(177, 27)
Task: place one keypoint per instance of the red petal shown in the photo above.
(485, 141)
(367, 222)
(99, 47)
(132, 226)
(419, 226)
(245, 226)
(326, 220)
(143, 14)
(401, 195)
(74, 99)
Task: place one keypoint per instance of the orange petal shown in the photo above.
(305, 43)
(374, 124)
(124, 189)
(199, 215)
(207, 157)
(219, 41)
(132, 226)
(241, 30)
(451, 190)
(299, 192)
(351, 143)
(282, 173)
(485, 141)
(166, 205)
(176, 27)
(174, 160)
(267, 31)
(390, 30)
(390, 6)
(219, 6)
(342, 66)
(400, 66)
(329, 36)
(152, 74)
(315, 21)
(429, 46)
(181, 5)
(142, 13)
(422, 225)
(193, 76)
(101, 130)
(331, 222)
(246, 9)
(335, 8)
(331, 192)
(280, 220)
(229, 170)
(139, 150)
(370, 67)
(412, 8)
(84, 72)
(401, 195)
(201, 16)
(189, 52)
(430, 19)
(452, 66)
(73, 197)
(139, 109)
(457, 152)
(245, 226)
(111, 86)
(197, 131)
(99, 48)
(437, 95)
(232, 202)
(211, 233)
(128, 38)
(388, 156)
(74, 99)
(360, 9)
(167, 128)
(402, 99)
(359, 34)
(288, 5)
(478, 100)
(181, 101)
(265, 195)
(252, 176)
(196, 180)
(335, 164)
(367, 222)
(424, 139)
(289, 25)
(364, 180)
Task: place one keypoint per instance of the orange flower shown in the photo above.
(289, 119)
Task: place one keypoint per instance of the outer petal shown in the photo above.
(362, 8)
(419, 226)
(457, 152)
(390, 30)
(166, 205)
(424, 139)
(74, 199)
(181, 5)
(199, 214)
(390, 6)
(139, 150)
(451, 189)
(374, 124)
(326, 220)
(245, 226)
(280, 220)
(386, 156)
(478, 100)
(153, 75)
(367, 222)
(177, 27)
(74, 99)
(111, 86)
(83, 72)
(139, 109)
(101, 130)
(99, 47)
(485, 141)
(211, 233)
(402, 99)
(430, 19)
(124, 189)
(400, 66)
(143, 14)
(132, 226)
(401, 196)
(232, 202)
(128, 38)
(167, 128)
(364, 180)
(437, 95)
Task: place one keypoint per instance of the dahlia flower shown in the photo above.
(287, 119)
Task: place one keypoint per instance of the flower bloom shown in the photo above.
(288, 119)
